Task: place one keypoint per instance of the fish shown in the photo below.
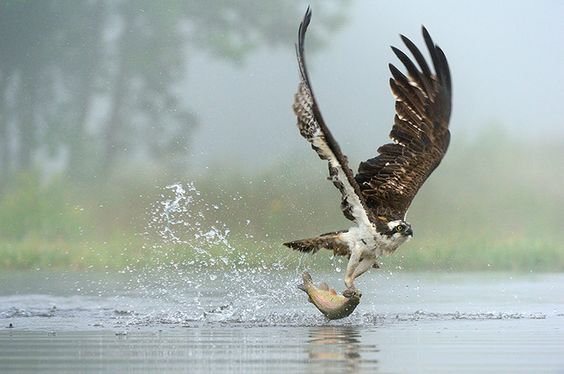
(328, 301)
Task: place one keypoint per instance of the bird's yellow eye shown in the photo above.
(400, 228)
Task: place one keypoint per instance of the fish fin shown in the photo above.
(323, 286)
(376, 266)
(332, 291)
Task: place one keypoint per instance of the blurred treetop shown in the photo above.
(87, 85)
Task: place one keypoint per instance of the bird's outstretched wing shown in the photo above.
(313, 128)
(390, 181)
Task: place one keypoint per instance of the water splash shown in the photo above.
(172, 209)
(196, 259)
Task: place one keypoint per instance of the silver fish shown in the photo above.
(328, 301)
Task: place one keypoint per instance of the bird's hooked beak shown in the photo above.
(409, 232)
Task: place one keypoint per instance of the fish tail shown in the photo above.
(329, 241)
(308, 280)
(307, 284)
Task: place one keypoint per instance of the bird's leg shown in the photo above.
(361, 267)
(354, 261)
(365, 264)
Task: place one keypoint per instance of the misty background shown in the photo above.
(105, 103)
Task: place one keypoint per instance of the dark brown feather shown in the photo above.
(330, 240)
(390, 181)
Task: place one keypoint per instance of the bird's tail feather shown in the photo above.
(331, 241)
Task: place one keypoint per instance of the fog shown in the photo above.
(104, 103)
(506, 60)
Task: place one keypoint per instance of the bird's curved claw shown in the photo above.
(352, 291)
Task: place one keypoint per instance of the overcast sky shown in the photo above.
(506, 59)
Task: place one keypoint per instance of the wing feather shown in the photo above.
(313, 128)
(420, 132)
(418, 79)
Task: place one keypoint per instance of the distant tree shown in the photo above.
(30, 41)
(93, 82)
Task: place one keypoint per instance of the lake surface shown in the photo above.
(259, 322)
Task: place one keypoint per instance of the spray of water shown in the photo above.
(196, 261)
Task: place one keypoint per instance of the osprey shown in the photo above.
(377, 198)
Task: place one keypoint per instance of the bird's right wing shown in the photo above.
(313, 128)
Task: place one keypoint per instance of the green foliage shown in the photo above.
(480, 254)
(488, 207)
(30, 209)
(37, 253)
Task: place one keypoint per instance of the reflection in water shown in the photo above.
(338, 349)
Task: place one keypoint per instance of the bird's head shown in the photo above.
(398, 232)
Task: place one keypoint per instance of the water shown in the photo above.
(406, 323)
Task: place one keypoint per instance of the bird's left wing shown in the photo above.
(313, 128)
(420, 133)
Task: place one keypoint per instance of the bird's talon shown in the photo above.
(351, 291)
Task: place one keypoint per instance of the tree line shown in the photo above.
(86, 84)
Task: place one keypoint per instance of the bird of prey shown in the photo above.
(377, 198)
